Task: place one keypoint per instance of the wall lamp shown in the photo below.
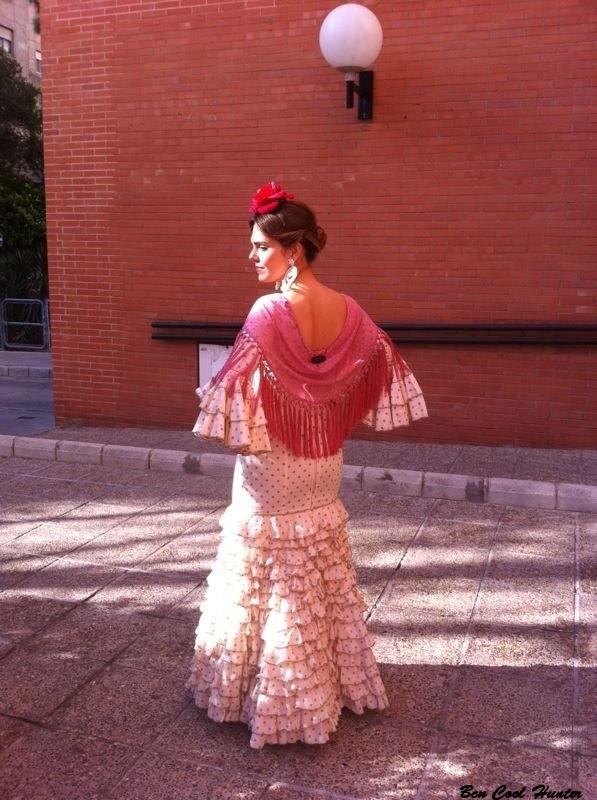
(350, 40)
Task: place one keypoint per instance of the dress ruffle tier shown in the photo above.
(231, 412)
(281, 644)
(404, 402)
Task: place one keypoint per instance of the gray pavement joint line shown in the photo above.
(574, 766)
(397, 567)
(33, 633)
(178, 535)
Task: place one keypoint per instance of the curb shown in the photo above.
(27, 373)
(399, 482)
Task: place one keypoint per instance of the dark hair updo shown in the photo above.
(292, 223)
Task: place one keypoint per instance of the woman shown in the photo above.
(281, 643)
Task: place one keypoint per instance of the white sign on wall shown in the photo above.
(212, 357)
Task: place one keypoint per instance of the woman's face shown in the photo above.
(269, 257)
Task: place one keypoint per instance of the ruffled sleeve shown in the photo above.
(230, 407)
(401, 400)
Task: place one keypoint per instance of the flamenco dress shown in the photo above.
(281, 643)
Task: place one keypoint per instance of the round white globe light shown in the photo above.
(350, 37)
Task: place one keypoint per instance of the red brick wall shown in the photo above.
(466, 199)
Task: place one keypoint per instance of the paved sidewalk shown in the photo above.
(564, 479)
(26, 364)
(534, 478)
(483, 616)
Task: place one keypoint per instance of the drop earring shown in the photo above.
(289, 278)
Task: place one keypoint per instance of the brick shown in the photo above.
(481, 213)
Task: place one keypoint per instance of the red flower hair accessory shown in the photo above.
(268, 198)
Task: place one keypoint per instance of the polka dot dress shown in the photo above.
(281, 643)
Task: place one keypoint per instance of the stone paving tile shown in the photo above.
(16, 466)
(548, 465)
(449, 549)
(529, 705)
(587, 776)
(390, 756)
(61, 469)
(21, 616)
(61, 765)
(146, 592)
(225, 745)
(519, 646)
(285, 791)
(585, 718)
(388, 511)
(416, 692)
(123, 705)
(33, 684)
(491, 461)
(384, 557)
(68, 579)
(517, 601)
(375, 529)
(587, 645)
(27, 485)
(165, 645)
(89, 632)
(27, 516)
(425, 640)
(89, 518)
(486, 764)
(553, 539)
(12, 728)
(188, 606)
(121, 499)
(532, 521)
(187, 555)
(15, 565)
(122, 547)
(479, 513)
(394, 455)
(371, 583)
(160, 777)
(507, 562)
(407, 592)
(49, 540)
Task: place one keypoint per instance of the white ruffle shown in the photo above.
(282, 643)
(404, 403)
(225, 413)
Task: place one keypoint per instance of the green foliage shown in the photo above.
(23, 272)
(22, 213)
(23, 262)
(21, 153)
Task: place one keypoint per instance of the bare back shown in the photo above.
(320, 314)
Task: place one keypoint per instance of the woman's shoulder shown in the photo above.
(265, 301)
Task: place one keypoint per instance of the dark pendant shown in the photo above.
(318, 359)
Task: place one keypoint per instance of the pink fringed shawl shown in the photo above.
(312, 407)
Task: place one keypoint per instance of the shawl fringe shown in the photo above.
(318, 430)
